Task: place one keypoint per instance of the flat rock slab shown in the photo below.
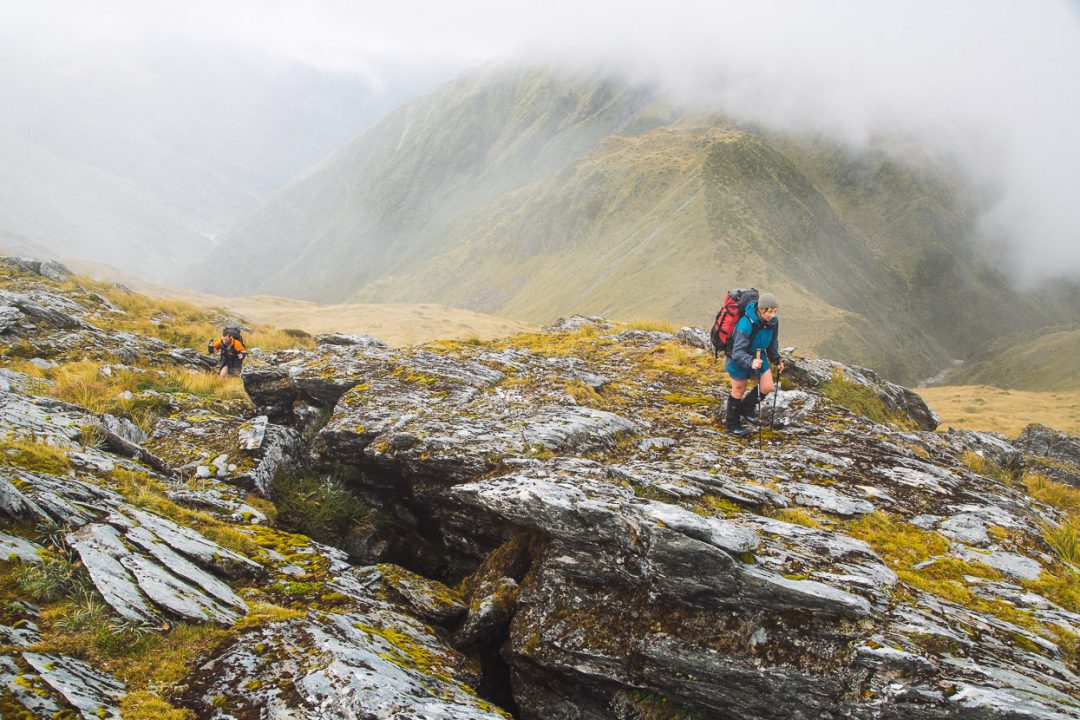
(93, 693)
(12, 546)
(827, 499)
(1011, 564)
(100, 548)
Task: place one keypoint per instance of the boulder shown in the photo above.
(694, 337)
(813, 373)
(1054, 453)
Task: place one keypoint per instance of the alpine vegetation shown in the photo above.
(551, 525)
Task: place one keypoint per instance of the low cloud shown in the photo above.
(991, 83)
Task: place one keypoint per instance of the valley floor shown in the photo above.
(981, 407)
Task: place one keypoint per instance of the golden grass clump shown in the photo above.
(84, 384)
(1058, 495)
(797, 516)
(863, 401)
(650, 325)
(34, 456)
(900, 544)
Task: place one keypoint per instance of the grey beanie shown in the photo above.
(767, 300)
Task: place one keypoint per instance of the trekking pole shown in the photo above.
(760, 428)
(776, 394)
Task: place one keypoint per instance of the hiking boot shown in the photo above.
(749, 407)
(734, 418)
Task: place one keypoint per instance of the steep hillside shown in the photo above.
(1037, 359)
(529, 194)
(386, 200)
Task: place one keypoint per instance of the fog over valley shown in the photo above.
(141, 124)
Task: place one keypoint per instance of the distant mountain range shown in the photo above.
(531, 193)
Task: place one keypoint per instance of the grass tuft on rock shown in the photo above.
(34, 456)
(861, 400)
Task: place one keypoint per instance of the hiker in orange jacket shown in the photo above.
(232, 351)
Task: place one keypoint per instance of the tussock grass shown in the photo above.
(863, 401)
(578, 342)
(1065, 541)
(650, 325)
(1058, 495)
(56, 576)
(34, 456)
(180, 322)
(796, 516)
(84, 384)
(978, 464)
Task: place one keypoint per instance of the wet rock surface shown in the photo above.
(1054, 453)
(813, 373)
(723, 609)
(580, 540)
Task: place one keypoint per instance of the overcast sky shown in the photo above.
(996, 83)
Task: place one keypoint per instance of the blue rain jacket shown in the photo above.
(742, 351)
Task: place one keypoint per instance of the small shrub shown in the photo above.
(320, 507)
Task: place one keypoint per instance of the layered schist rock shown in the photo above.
(582, 541)
(1052, 452)
(141, 578)
(634, 557)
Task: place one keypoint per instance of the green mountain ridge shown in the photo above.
(1035, 359)
(531, 194)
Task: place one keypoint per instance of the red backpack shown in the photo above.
(731, 310)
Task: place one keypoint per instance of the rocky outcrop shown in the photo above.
(1054, 453)
(581, 538)
(640, 509)
(813, 373)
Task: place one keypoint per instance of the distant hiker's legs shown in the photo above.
(223, 371)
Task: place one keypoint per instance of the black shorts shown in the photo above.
(234, 367)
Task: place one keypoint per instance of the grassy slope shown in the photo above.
(397, 324)
(530, 195)
(1040, 360)
(383, 203)
(659, 224)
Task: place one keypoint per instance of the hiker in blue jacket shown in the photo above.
(754, 351)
